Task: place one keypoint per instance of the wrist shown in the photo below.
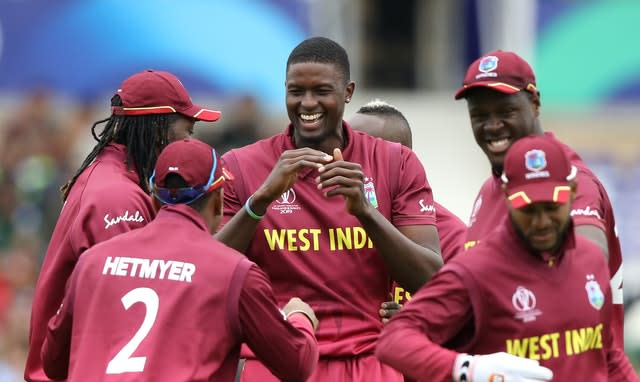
(314, 323)
(254, 209)
(461, 368)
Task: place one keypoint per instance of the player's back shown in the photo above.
(157, 304)
(105, 201)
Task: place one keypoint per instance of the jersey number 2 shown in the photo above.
(123, 362)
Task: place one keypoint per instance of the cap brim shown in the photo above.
(543, 192)
(202, 114)
(498, 86)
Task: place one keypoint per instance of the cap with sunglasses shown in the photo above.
(196, 163)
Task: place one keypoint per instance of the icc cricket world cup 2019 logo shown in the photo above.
(525, 303)
(286, 203)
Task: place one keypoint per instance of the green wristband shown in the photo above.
(247, 208)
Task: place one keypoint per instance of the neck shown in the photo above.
(325, 144)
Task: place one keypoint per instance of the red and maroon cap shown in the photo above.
(196, 162)
(503, 71)
(157, 92)
(536, 169)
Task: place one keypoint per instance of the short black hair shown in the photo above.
(380, 107)
(322, 50)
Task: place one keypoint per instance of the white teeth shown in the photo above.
(310, 117)
(499, 144)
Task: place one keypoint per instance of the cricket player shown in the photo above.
(108, 194)
(167, 302)
(321, 209)
(531, 302)
(381, 119)
(504, 106)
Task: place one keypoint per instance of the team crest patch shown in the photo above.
(535, 160)
(370, 192)
(594, 293)
(488, 64)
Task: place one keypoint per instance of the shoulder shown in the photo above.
(587, 250)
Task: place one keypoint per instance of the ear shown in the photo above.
(156, 203)
(218, 203)
(535, 99)
(350, 89)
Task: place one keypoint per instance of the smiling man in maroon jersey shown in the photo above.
(322, 211)
(504, 106)
(532, 289)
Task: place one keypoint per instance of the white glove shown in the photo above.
(498, 367)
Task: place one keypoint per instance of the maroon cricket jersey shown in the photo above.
(497, 297)
(451, 231)
(163, 303)
(311, 247)
(591, 207)
(106, 200)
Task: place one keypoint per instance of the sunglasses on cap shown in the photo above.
(187, 195)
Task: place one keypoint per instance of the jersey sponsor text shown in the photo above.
(548, 345)
(305, 239)
(149, 269)
(585, 212)
(125, 217)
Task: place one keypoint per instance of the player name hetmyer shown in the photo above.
(149, 268)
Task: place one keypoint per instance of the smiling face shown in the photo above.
(316, 97)
(499, 119)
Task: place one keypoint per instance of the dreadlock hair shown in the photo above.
(143, 136)
(321, 50)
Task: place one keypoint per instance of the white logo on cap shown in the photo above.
(536, 161)
(172, 168)
(487, 66)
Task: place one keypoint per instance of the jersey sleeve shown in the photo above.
(413, 202)
(451, 231)
(588, 207)
(412, 341)
(618, 365)
(104, 215)
(56, 348)
(265, 329)
(233, 202)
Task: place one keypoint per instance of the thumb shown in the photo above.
(337, 154)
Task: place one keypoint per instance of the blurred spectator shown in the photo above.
(18, 270)
(241, 125)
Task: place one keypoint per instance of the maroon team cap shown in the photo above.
(536, 169)
(196, 162)
(156, 92)
(503, 71)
